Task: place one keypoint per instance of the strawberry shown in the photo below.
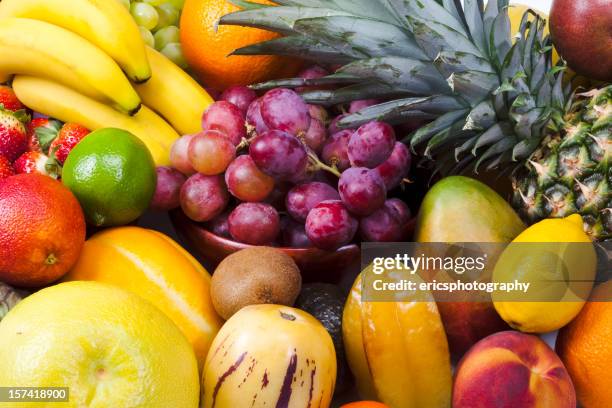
(13, 137)
(9, 100)
(35, 162)
(6, 168)
(41, 133)
(69, 136)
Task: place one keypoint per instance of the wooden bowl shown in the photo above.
(315, 264)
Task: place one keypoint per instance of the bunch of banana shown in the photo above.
(84, 61)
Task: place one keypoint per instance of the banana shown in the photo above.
(32, 47)
(173, 94)
(56, 100)
(105, 23)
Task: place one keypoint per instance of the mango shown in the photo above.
(461, 209)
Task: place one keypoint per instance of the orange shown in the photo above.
(155, 267)
(585, 348)
(365, 404)
(42, 230)
(207, 47)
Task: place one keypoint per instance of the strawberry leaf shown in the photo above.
(53, 168)
(47, 134)
(22, 115)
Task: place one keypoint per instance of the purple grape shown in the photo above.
(312, 72)
(246, 182)
(283, 109)
(333, 126)
(254, 223)
(387, 224)
(330, 225)
(362, 190)
(294, 234)
(254, 119)
(210, 152)
(168, 190)
(304, 197)
(279, 154)
(371, 144)
(277, 197)
(179, 155)
(316, 136)
(220, 225)
(396, 167)
(204, 197)
(335, 150)
(356, 106)
(318, 112)
(226, 118)
(239, 95)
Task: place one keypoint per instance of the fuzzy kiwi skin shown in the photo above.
(252, 276)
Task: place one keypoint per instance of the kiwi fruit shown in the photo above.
(252, 276)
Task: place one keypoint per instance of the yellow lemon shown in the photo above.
(109, 347)
(560, 264)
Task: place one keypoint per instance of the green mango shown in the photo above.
(461, 209)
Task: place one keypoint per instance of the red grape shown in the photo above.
(220, 225)
(312, 72)
(204, 197)
(254, 119)
(304, 197)
(254, 223)
(330, 225)
(279, 154)
(179, 155)
(318, 112)
(246, 182)
(387, 224)
(371, 144)
(316, 136)
(362, 190)
(356, 106)
(396, 167)
(168, 190)
(294, 234)
(239, 95)
(226, 118)
(335, 150)
(210, 152)
(283, 109)
(277, 197)
(333, 126)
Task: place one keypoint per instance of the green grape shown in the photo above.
(145, 15)
(166, 36)
(147, 36)
(126, 3)
(177, 4)
(155, 2)
(174, 52)
(168, 16)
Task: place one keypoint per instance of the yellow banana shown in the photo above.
(32, 47)
(174, 94)
(58, 101)
(105, 23)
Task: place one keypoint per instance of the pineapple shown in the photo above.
(497, 100)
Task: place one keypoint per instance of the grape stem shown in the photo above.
(319, 165)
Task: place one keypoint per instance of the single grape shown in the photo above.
(312, 72)
(204, 197)
(246, 182)
(316, 136)
(329, 225)
(362, 190)
(279, 154)
(396, 167)
(319, 113)
(145, 15)
(241, 96)
(254, 223)
(283, 109)
(166, 36)
(294, 234)
(304, 197)
(387, 224)
(168, 16)
(147, 37)
(174, 53)
(220, 225)
(168, 189)
(254, 119)
(210, 152)
(333, 126)
(335, 150)
(277, 197)
(179, 155)
(226, 118)
(371, 144)
(358, 105)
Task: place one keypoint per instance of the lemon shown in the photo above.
(112, 174)
(560, 264)
(111, 348)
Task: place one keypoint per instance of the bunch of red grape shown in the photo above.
(265, 172)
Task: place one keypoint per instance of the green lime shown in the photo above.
(112, 174)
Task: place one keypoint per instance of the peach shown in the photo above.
(512, 370)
